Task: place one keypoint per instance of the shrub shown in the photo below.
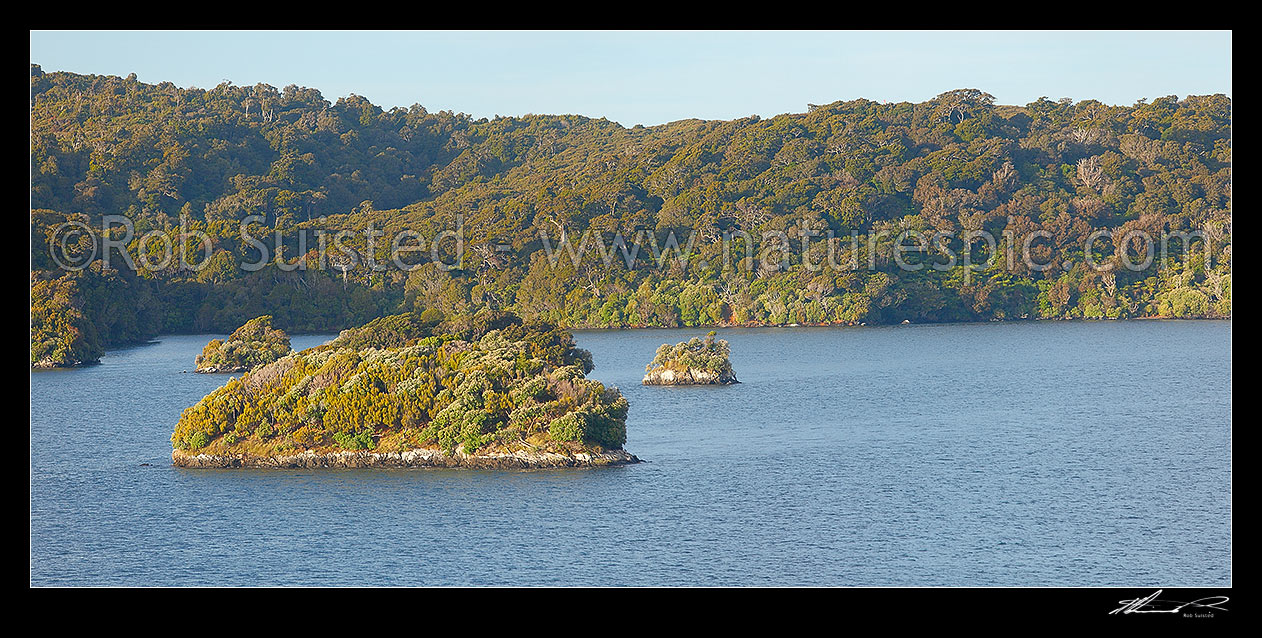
(570, 427)
(197, 440)
(361, 440)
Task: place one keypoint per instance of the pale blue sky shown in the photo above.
(655, 77)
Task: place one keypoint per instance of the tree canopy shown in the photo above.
(191, 165)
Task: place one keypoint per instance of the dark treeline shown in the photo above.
(198, 163)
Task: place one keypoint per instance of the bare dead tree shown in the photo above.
(1090, 173)
(560, 227)
(1006, 177)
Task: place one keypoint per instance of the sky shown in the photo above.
(653, 77)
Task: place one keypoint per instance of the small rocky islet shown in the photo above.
(693, 362)
(256, 343)
(412, 390)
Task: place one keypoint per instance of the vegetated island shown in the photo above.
(252, 345)
(692, 362)
(408, 391)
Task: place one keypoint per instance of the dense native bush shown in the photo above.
(184, 161)
(400, 382)
(394, 331)
(60, 333)
(254, 344)
(709, 354)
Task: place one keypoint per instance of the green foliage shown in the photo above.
(197, 440)
(396, 383)
(180, 162)
(361, 440)
(706, 354)
(254, 344)
(394, 331)
(61, 334)
(603, 423)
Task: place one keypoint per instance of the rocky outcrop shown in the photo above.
(523, 459)
(48, 363)
(223, 370)
(692, 362)
(692, 376)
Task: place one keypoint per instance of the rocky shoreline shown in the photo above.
(411, 458)
(223, 370)
(691, 376)
(49, 364)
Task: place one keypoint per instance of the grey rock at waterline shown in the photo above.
(48, 363)
(522, 459)
(225, 370)
(692, 376)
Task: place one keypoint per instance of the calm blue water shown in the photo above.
(978, 454)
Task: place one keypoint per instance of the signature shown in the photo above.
(1153, 605)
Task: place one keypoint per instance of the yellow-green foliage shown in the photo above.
(254, 344)
(695, 354)
(496, 384)
(61, 334)
(778, 208)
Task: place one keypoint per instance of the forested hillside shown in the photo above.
(195, 164)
